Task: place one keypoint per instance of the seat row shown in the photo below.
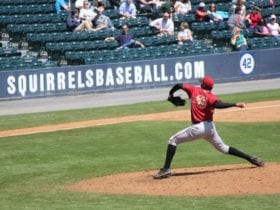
(222, 37)
(37, 41)
(204, 28)
(30, 19)
(58, 49)
(17, 32)
(263, 42)
(27, 9)
(24, 2)
(145, 55)
(20, 30)
(248, 4)
(132, 54)
(24, 62)
(9, 51)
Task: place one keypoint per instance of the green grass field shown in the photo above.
(34, 168)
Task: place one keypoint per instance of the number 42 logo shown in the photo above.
(247, 63)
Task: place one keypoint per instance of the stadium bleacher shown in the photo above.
(36, 25)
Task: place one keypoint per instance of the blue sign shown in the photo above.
(224, 67)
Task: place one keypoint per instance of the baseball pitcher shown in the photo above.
(202, 103)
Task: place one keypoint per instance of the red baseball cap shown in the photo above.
(207, 82)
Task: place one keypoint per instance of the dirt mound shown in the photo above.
(198, 181)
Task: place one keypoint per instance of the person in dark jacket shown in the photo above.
(125, 39)
(74, 23)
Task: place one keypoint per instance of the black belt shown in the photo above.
(201, 121)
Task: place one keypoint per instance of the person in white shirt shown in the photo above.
(239, 4)
(273, 26)
(79, 3)
(183, 7)
(87, 12)
(164, 25)
(127, 9)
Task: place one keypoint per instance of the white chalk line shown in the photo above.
(250, 108)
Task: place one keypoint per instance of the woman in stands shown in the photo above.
(254, 17)
(216, 15)
(273, 26)
(238, 41)
(238, 4)
(185, 34)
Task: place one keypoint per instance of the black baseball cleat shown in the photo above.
(163, 173)
(256, 161)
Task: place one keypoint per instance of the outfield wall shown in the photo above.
(226, 67)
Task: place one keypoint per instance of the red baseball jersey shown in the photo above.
(201, 101)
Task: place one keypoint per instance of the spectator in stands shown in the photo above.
(162, 6)
(201, 13)
(182, 7)
(101, 21)
(235, 20)
(164, 25)
(145, 6)
(254, 17)
(185, 34)
(61, 5)
(273, 26)
(154, 7)
(127, 9)
(238, 41)
(216, 16)
(87, 12)
(125, 39)
(74, 23)
(79, 4)
(238, 4)
(261, 28)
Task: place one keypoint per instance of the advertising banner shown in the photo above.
(227, 67)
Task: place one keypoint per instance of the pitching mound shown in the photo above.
(198, 181)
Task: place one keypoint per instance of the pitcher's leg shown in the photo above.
(218, 143)
(180, 137)
(188, 134)
(214, 138)
(191, 133)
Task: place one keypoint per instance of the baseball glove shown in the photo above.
(177, 101)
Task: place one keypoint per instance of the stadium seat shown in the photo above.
(75, 58)
(9, 51)
(112, 13)
(111, 44)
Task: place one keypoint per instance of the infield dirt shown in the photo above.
(196, 181)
